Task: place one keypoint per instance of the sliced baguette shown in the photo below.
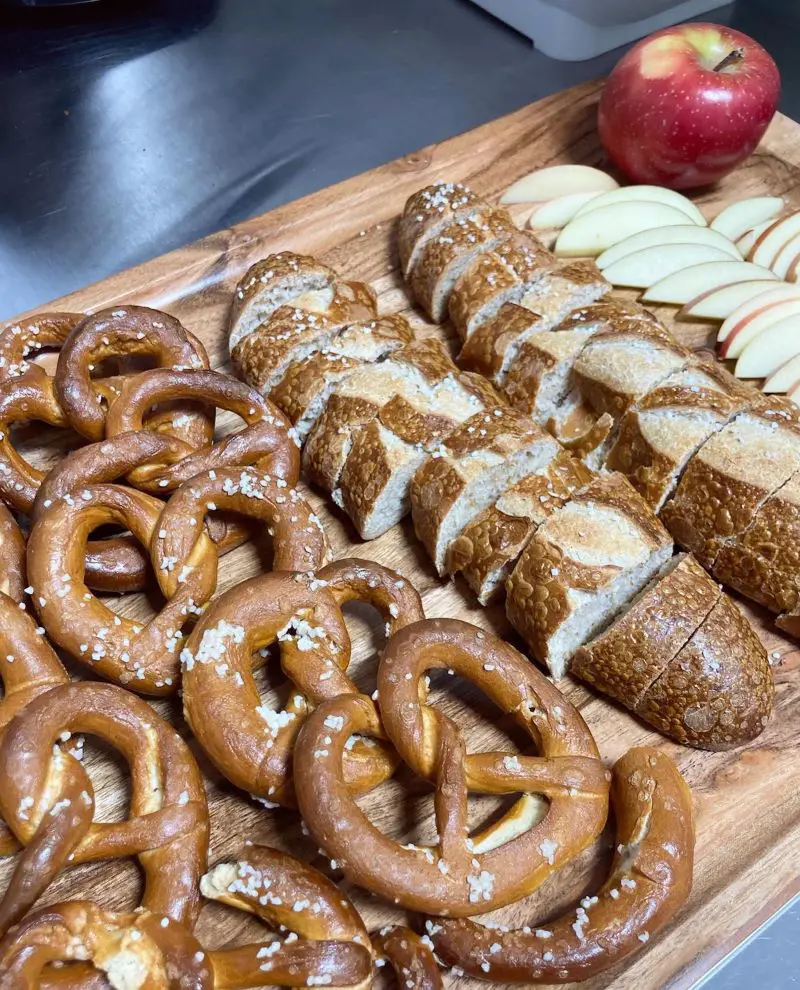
(582, 566)
(427, 212)
(481, 459)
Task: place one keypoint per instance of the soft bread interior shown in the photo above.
(309, 290)
(435, 227)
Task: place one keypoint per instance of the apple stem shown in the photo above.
(737, 55)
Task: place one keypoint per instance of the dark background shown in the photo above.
(125, 134)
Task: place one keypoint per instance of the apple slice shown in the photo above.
(793, 274)
(557, 213)
(556, 181)
(794, 394)
(683, 234)
(718, 304)
(687, 284)
(787, 257)
(784, 379)
(646, 194)
(747, 241)
(644, 268)
(739, 339)
(736, 219)
(776, 296)
(769, 244)
(771, 349)
(595, 232)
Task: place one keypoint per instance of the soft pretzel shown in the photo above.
(302, 612)
(264, 442)
(326, 944)
(26, 337)
(28, 667)
(12, 556)
(461, 876)
(125, 332)
(48, 799)
(410, 957)
(649, 882)
(143, 656)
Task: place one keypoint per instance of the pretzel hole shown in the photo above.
(117, 889)
(41, 445)
(367, 629)
(110, 775)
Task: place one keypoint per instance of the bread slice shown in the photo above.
(718, 692)
(763, 562)
(732, 475)
(638, 646)
(481, 459)
(582, 566)
(494, 347)
(507, 274)
(540, 380)
(279, 280)
(486, 551)
(447, 256)
(658, 436)
(292, 333)
(427, 212)
(304, 390)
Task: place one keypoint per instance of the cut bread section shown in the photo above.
(718, 692)
(486, 551)
(507, 274)
(448, 254)
(481, 459)
(307, 384)
(732, 476)
(427, 212)
(582, 566)
(291, 334)
(279, 280)
(493, 348)
(659, 435)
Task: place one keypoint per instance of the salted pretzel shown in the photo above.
(649, 881)
(409, 956)
(250, 743)
(29, 336)
(461, 876)
(325, 943)
(12, 556)
(28, 667)
(126, 332)
(185, 559)
(47, 798)
(265, 441)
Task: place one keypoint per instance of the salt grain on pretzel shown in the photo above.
(461, 876)
(410, 957)
(128, 331)
(48, 800)
(25, 338)
(145, 657)
(649, 881)
(249, 742)
(265, 441)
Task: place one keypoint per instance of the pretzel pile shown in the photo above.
(180, 497)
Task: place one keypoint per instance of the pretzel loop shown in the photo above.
(463, 875)
(264, 442)
(20, 340)
(649, 880)
(143, 656)
(127, 331)
(48, 800)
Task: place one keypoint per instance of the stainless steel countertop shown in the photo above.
(125, 136)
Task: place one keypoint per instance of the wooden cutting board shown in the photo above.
(747, 802)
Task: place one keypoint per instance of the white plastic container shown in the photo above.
(574, 30)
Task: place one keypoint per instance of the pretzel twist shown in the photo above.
(126, 332)
(48, 799)
(248, 742)
(115, 647)
(28, 668)
(12, 557)
(410, 957)
(29, 336)
(326, 944)
(462, 876)
(649, 881)
(265, 442)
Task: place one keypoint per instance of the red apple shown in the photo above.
(687, 105)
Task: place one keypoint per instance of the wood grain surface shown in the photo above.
(747, 802)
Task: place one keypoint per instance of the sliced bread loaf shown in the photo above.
(428, 212)
(582, 566)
